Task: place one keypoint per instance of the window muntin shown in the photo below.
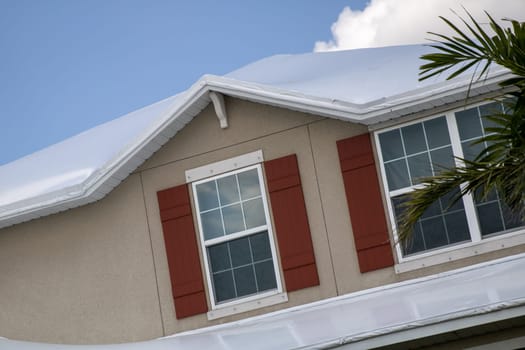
(233, 222)
(422, 149)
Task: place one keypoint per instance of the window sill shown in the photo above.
(461, 251)
(258, 303)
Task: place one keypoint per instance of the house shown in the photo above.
(258, 210)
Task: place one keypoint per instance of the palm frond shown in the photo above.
(500, 166)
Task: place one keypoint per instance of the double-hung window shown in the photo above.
(424, 148)
(236, 236)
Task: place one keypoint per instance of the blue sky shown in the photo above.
(68, 65)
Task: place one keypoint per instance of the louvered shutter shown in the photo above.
(291, 223)
(182, 252)
(364, 203)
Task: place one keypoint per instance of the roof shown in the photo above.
(363, 86)
(482, 294)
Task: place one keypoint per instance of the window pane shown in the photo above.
(261, 246)
(219, 257)
(511, 220)
(414, 139)
(240, 251)
(245, 280)
(397, 204)
(223, 286)
(212, 224)
(416, 243)
(489, 109)
(457, 227)
(496, 214)
(228, 191)
(265, 275)
(233, 221)
(446, 201)
(437, 227)
(469, 124)
(419, 167)
(254, 213)
(432, 210)
(442, 159)
(491, 196)
(207, 196)
(391, 146)
(471, 149)
(437, 132)
(434, 232)
(249, 184)
(489, 218)
(397, 174)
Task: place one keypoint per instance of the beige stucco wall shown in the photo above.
(99, 273)
(279, 133)
(82, 276)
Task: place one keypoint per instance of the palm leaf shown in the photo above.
(501, 165)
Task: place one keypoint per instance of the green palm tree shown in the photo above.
(501, 166)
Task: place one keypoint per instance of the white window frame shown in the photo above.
(478, 244)
(218, 170)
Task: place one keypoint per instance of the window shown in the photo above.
(236, 235)
(424, 148)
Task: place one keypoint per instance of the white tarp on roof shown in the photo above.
(85, 167)
(481, 290)
(359, 76)
(70, 163)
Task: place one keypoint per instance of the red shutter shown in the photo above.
(291, 223)
(181, 249)
(364, 203)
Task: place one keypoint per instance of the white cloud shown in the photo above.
(398, 22)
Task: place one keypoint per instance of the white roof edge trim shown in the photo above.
(86, 192)
(358, 113)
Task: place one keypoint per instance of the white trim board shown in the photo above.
(223, 166)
